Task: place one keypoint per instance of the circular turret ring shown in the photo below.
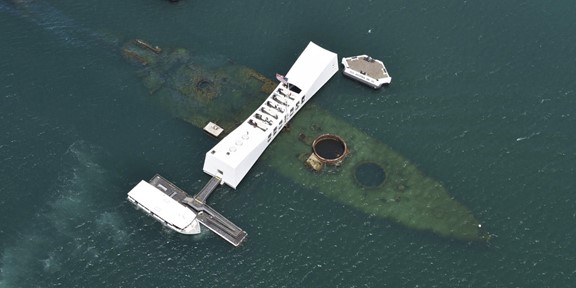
(330, 149)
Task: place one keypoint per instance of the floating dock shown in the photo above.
(367, 70)
(161, 199)
(176, 210)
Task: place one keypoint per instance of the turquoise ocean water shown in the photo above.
(482, 99)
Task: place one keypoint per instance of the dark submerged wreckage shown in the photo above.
(350, 167)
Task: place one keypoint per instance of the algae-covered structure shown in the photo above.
(345, 163)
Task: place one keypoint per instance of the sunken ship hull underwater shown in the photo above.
(372, 178)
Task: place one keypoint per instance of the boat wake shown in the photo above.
(527, 137)
(57, 23)
(75, 230)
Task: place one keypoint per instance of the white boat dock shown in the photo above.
(367, 70)
(157, 199)
(176, 210)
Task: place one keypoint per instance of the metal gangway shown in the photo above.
(210, 218)
(206, 215)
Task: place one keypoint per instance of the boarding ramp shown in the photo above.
(210, 218)
(206, 215)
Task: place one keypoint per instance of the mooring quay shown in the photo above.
(170, 197)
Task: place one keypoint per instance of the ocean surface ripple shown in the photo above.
(482, 100)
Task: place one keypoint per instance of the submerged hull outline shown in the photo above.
(199, 91)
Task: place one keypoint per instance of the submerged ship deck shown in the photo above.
(403, 194)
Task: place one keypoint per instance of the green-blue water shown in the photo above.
(482, 99)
